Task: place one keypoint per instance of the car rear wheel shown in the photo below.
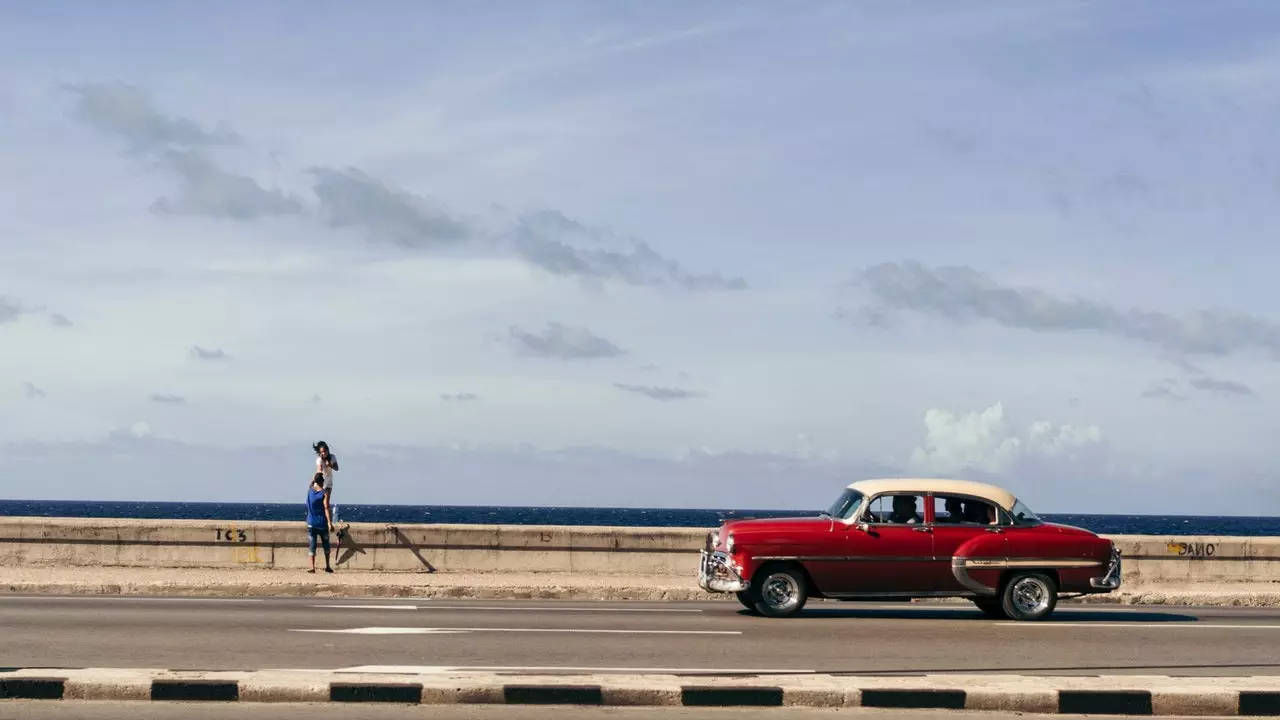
(1029, 596)
(779, 592)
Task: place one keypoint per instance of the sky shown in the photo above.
(659, 254)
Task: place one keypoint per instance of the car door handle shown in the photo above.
(922, 529)
(994, 530)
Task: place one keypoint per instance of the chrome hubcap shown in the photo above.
(780, 591)
(1030, 596)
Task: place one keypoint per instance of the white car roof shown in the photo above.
(938, 486)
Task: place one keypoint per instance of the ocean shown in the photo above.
(631, 517)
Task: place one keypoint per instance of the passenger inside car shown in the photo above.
(964, 511)
(904, 510)
(955, 511)
(980, 513)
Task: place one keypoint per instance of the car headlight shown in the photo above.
(728, 543)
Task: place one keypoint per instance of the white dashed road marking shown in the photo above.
(496, 608)
(432, 631)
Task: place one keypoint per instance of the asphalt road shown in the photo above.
(55, 710)
(552, 636)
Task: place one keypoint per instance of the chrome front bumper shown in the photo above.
(1111, 580)
(718, 575)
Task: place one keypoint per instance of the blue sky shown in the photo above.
(662, 254)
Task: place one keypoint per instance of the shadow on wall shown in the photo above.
(349, 547)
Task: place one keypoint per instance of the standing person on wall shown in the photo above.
(319, 520)
(326, 464)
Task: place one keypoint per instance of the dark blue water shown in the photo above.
(630, 517)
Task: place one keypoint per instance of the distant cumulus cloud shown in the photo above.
(562, 342)
(459, 397)
(60, 320)
(658, 393)
(986, 442)
(33, 392)
(200, 353)
(167, 399)
(962, 294)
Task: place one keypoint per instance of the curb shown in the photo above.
(1107, 695)
(615, 593)
(321, 590)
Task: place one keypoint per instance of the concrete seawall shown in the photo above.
(620, 551)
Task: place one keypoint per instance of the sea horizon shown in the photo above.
(620, 516)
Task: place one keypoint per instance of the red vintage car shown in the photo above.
(899, 538)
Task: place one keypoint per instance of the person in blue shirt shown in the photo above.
(319, 520)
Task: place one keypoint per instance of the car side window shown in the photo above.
(902, 509)
(949, 510)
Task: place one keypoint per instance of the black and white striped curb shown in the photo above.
(1113, 695)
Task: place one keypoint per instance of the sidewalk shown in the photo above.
(235, 582)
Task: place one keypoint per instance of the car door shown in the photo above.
(885, 555)
(970, 554)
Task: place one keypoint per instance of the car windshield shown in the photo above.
(846, 505)
(1022, 514)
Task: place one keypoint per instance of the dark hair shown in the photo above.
(319, 478)
(321, 444)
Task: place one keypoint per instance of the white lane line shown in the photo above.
(513, 608)
(429, 631)
(391, 631)
(369, 607)
(437, 670)
(129, 598)
(1163, 625)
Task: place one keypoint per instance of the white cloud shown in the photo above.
(988, 443)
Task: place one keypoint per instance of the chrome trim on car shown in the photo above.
(1111, 580)
(717, 574)
(1047, 563)
(898, 594)
(960, 570)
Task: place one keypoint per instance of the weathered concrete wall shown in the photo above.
(1188, 559)
(514, 548)
(368, 546)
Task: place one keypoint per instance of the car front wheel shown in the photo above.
(1029, 596)
(779, 592)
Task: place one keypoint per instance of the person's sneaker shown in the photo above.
(328, 569)
(312, 571)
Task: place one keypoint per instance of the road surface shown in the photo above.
(559, 637)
